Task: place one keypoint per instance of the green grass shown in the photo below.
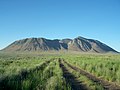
(9, 67)
(103, 66)
(50, 76)
(85, 81)
(25, 74)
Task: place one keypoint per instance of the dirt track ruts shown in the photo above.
(106, 84)
(71, 79)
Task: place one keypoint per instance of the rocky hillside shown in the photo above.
(79, 44)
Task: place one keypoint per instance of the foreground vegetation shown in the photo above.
(31, 73)
(102, 66)
(43, 72)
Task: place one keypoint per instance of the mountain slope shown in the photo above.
(79, 44)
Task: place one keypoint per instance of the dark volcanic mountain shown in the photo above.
(41, 44)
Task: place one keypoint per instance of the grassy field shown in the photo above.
(103, 66)
(47, 71)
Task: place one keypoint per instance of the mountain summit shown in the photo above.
(79, 44)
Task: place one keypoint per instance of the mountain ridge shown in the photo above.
(79, 44)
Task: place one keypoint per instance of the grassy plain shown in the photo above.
(42, 71)
(106, 66)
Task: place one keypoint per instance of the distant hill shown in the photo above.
(79, 44)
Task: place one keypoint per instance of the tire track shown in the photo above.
(71, 79)
(106, 85)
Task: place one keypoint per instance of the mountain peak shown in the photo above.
(80, 37)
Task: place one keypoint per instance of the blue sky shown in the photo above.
(96, 19)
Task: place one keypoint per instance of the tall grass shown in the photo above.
(89, 84)
(32, 75)
(24, 71)
(103, 66)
